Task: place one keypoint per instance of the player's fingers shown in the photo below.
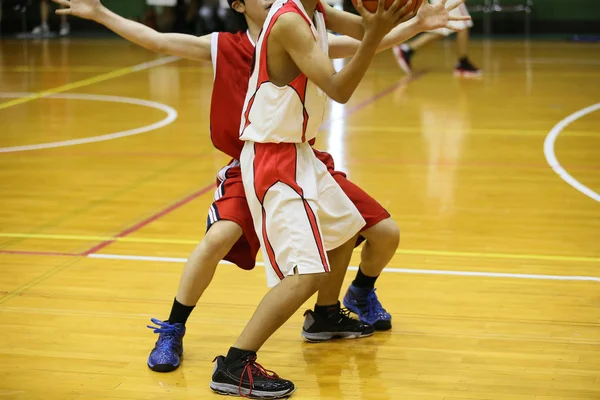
(403, 18)
(444, 2)
(395, 7)
(453, 28)
(360, 7)
(405, 9)
(459, 18)
(63, 11)
(380, 6)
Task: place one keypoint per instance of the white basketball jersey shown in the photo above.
(288, 114)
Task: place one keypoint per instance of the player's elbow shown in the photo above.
(338, 90)
(340, 97)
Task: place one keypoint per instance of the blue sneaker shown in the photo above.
(168, 351)
(365, 304)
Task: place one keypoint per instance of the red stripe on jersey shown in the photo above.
(299, 85)
(321, 9)
(316, 234)
(274, 162)
(304, 125)
(269, 248)
(247, 114)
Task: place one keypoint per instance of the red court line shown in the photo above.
(39, 253)
(150, 219)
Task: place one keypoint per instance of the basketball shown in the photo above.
(371, 5)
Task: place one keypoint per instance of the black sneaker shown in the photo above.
(246, 378)
(338, 324)
(402, 54)
(465, 69)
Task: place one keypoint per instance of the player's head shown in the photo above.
(250, 10)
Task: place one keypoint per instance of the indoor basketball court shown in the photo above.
(107, 172)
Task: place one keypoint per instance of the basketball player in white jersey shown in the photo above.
(299, 211)
(464, 67)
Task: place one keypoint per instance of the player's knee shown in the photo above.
(392, 233)
(222, 236)
(385, 234)
(308, 283)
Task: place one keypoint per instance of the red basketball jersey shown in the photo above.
(232, 60)
(232, 63)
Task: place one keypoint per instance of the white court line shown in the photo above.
(170, 111)
(155, 63)
(551, 157)
(392, 270)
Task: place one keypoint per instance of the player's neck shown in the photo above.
(309, 7)
(254, 29)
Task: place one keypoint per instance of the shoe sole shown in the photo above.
(164, 367)
(227, 389)
(315, 337)
(380, 325)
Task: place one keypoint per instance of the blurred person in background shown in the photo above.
(464, 67)
(43, 29)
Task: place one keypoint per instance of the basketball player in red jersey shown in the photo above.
(231, 235)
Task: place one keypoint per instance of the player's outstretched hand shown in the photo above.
(434, 16)
(382, 21)
(87, 9)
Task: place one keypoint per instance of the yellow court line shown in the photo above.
(86, 82)
(506, 256)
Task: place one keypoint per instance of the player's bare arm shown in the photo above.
(429, 17)
(186, 46)
(291, 37)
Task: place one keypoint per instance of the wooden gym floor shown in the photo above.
(495, 290)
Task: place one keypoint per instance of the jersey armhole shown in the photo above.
(214, 49)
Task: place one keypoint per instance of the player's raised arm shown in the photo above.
(293, 35)
(429, 17)
(186, 46)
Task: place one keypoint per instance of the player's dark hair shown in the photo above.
(236, 19)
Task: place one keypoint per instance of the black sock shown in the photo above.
(180, 313)
(462, 60)
(363, 281)
(326, 311)
(235, 354)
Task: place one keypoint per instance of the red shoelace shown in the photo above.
(251, 368)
